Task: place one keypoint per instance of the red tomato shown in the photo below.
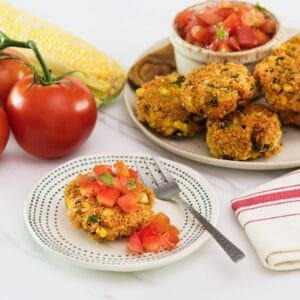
(210, 16)
(261, 37)
(152, 243)
(4, 130)
(134, 243)
(120, 169)
(187, 29)
(108, 196)
(183, 18)
(232, 22)
(233, 43)
(253, 18)
(88, 186)
(246, 37)
(225, 12)
(160, 222)
(224, 47)
(53, 120)
(128, 202)
(200, 34)
(269, 26)
(11, 71)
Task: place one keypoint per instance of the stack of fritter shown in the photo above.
(220, 94)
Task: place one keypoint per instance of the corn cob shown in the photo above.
(64, 52)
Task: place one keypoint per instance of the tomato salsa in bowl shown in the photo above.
(223, 31)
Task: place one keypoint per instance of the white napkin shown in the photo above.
(270, 216)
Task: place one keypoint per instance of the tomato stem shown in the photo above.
(5, 42)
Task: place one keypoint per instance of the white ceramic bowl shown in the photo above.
(189, 56)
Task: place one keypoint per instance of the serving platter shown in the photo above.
(196, 149)
(46, 217)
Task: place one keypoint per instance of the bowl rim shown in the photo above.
(235, 54)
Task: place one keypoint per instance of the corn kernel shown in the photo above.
(69, 203)
(101, 232)
(288, 88)
(143, 198)
(107, 212)
(164, 91)
(139, 92)
(172, 78)
(283, 99)
(276, 87)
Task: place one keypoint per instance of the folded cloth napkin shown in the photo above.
(270, 216)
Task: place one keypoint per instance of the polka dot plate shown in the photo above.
(46, 217)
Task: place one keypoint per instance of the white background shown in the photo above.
(124, 29)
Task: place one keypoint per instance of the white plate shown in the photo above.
(196, 149)
(46, 218)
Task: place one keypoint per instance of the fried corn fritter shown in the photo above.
(289, 118)
(278, 76)
(217, 89)
(159, 105)
(106, 223)
(250, 133)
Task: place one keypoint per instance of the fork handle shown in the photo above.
(233, 251)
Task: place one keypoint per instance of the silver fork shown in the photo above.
(169, 190)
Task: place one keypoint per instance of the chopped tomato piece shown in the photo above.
(121, 169)
(210, 16)
(134, 243)
(188, 28)
(261, 37)
(269, 26)
(246, 37)
(200, 34)
(160, 222)
(169, 240)
(216, 45)
(128, 202)
(233, 43)
(146, 231)
(189, 38)
(253, 18)
(108, 196)
(174, 229)
(225, 12)
(152, 243)
(224, 47)
(102, 169)
(183, 18)
(133, 173)
(88, 186)
(232, 22)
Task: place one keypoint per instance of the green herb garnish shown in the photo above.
(107, 179)
(259, 6)
(93, 219)
(221, 33)
(179, 81)
(131, 184)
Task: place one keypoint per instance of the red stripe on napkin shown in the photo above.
(271, 218)
(265, 205)
(265, 198)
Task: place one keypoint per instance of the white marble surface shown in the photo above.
(124, 29)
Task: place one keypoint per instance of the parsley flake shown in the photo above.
(107, 179)
(131, 184)
(221, 34)
(259, 6)
(93, 219)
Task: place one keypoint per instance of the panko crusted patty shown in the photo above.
(248, 134)
(278, 76)
(103, 222)
(217, 89)
(159, 105)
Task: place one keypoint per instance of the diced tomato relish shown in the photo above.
(226, 27)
